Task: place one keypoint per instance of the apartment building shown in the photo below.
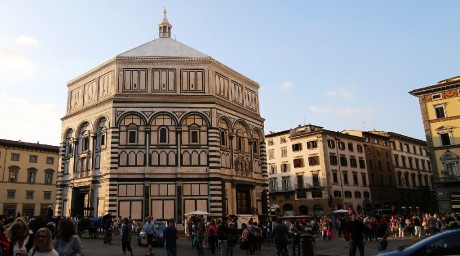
(400, 171)
(28, 177)
(440, 107)
(315, 171)
(380, 169)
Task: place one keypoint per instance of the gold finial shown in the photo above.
(164, 10)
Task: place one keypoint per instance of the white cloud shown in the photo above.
(14, 62)
(27, 41)
(30, 122)
(286, 85)
(341, 93)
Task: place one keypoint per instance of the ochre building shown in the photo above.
(440, 107)
(162, 130)
(28, 177)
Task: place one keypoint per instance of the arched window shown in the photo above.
(101, 134)
(163, 135)
(68, 143)
(318, 210)
(303, 210)
(255, 147)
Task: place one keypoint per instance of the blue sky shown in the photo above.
(337, 64)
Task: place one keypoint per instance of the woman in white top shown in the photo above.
(43, 244)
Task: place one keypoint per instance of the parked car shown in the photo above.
(446, 242)
(159, 227)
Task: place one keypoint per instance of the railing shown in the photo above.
(303, 186)
(287, 188)
(316, 184)
(272, 189)
(280, 189)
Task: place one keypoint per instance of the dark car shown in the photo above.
(159, 227)
(446, 242)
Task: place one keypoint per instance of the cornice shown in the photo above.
(91, 71)
(435, 88)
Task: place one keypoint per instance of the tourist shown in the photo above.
(21, 241)
(66, 242)
(170, 236)
(126, 230)
(245, 239)
(149, 228)
(43, 244)
(281, 235)
(212, 236)
(223, 232)
(356, 230)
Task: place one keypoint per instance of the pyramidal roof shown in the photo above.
(164, 46)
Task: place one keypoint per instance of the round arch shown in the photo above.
(204, 117)
(98, 121)
(288, 209)
(243, 123)
(124, 115)
(303, 210)
(170, 115)
(317, 210)
(82, 124)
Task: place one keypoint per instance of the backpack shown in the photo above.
(256, 231)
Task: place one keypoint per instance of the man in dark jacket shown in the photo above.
(281, 234)
(223, 232)
(356, 230)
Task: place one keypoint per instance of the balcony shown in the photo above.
(317, 184)
(280, 189)
(303, 186)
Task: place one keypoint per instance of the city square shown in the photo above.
(337, 247)
(328, 117)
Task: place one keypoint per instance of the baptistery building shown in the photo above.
(162, 130)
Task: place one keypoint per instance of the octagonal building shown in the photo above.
(162, 130)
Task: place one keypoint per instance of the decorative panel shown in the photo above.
(105, 84)
(221, 86)
(192, 80)
(90, 92)
(135, 80)
(250, 100)
(236, 93)
(164, 80)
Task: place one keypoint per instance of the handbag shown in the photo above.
(5, 244)
(330, 234)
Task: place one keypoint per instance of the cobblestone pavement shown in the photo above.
(96, 247)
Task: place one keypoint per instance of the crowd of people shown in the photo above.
(18, 239)
(220, 236)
